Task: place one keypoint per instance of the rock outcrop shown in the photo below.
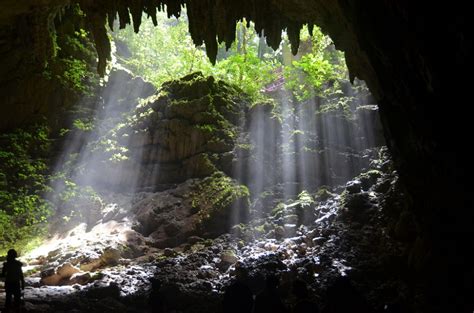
(204, 208)
(187, 130)
(355, 231)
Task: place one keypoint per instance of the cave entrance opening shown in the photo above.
(175, 147)
(303, 126)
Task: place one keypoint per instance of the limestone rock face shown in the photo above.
(65, 274)
(314, 143)
(198, 207)
(35, 79)
(187, 130)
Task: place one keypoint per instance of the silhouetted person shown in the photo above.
(342, 297)
(155, 300)
(303, 304)
(238, 297)
(14, 280)
(269, 300)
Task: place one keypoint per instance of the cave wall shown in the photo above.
(21, 83)
(412, 56)
(47, 64)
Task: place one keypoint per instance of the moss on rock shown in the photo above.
(190, 124)
(220, 203)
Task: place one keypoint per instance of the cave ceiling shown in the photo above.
(210, 22)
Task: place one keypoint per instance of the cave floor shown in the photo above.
(348, 236)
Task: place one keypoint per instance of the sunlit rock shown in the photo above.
(50, 278)
(188, 130)
(79, 278)
(354, 186)
(229, 257)
(110, 256)
(369, 178)
(90, 263)
(67, 270)
(195, 208)
(62, 275)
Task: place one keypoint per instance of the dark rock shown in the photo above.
(168, 252)
(406, 227)
(101, 291)
(356, 207)
(368, 179)
(354, 186)
(79, 278)
(194, 239)
(171, 229)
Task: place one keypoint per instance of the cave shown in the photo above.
(416, 232)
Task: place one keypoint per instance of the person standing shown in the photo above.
(14, 280)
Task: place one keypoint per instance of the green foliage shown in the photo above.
(75, 204)
(305, 199)
(316, 72)
(23, 181)
(83, 125)
(216, 193)
(323, 193)
(74, 57)
(74, 74)
(169, 53)
(340, 106)
(246, 69)
(209, 128)
(278, 210)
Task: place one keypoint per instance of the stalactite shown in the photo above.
(294, 36)
(204, 28)
(173, 7)
(43, 38)
(136, 9)
(310, 29)
(150, 9)
(225, 24)
(97, 22)
(210, 21)
(111, 10)
(124, 16)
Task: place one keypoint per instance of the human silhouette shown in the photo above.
(155, 300)
(14, 280)
(269, 300)
(303, 304)
(343, 297)
(238, 297)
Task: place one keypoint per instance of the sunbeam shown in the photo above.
(252, 158)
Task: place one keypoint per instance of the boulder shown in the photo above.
(52, 280)
(229, 257)
(61, 275)
(110, 256)
(183, 130)
(67, 270)
(198, 207)
(354, 186)
(79, 278)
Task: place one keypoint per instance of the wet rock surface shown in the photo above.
(186, 130)
(190, 221)
(330, 242)
(198, 207)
